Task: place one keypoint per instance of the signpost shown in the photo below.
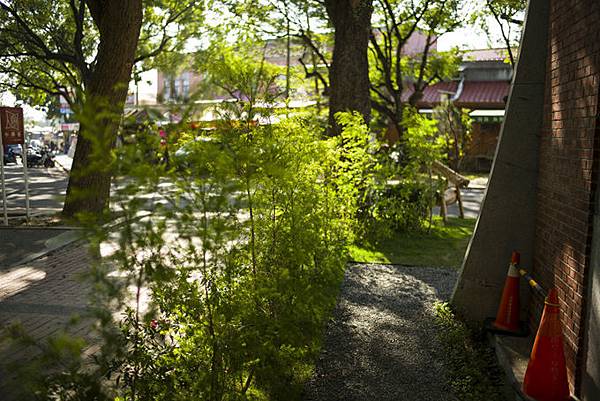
(13, 133)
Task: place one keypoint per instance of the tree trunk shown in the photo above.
(119, 23)
(349, 73)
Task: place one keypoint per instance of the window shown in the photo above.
(167, 90)
(185, 86)
(178, 89)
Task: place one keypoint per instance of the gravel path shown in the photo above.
(381, 344)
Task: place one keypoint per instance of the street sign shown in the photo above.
(12, 132)
(11, 125)
(69, 126)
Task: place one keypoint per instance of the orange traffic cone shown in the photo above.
(546, 375)
(507, 318)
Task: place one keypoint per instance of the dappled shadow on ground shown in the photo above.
(47, 188)
(382, 343)
(16, 244)
(42, 296)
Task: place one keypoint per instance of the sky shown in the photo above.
(464, 39)
(471, 37)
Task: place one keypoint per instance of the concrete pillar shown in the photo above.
(591, 367)
(507, 218)
(590, 375)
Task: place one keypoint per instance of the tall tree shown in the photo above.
(400, 69)
(306, 21)
(349, 72)
(84, 50)
(106, 86)
(508, 15)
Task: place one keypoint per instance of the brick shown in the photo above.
(569, 158)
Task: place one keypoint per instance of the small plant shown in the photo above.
(472, 370)
(454, 126)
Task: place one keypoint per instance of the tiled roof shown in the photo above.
(475, 94)
(484, 93)
(433, 93)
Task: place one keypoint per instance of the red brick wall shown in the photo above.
(567, 167)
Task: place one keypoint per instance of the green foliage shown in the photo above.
(274, 27)
(402, 194)
(262, 216)
(454, 127)
(508, 15)
(240, 250)
(49, 48)
(471, 366)
(440, 66)
(243, 73)
(20, 70)
(403, 53)
(359, 168)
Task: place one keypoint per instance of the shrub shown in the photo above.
(240, 250)
(401, 189)
(262, 217)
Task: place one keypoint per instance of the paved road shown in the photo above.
(47, 189)
(472, 198)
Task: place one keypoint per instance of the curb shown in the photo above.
(509, 358)
(50, 228)
(70, 235)
(52, 244)
(63, 168)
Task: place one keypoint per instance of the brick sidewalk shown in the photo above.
(43, 295)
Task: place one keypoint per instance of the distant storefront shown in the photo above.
(482, 88)
(485, 129)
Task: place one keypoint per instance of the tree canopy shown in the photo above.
(50, 48)
(508, 16)
(399, 69)
(376, 57)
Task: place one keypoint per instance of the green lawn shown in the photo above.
(443, 245)
(473, 176)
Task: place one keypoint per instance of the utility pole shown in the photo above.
(288, 54)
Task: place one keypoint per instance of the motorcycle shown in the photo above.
(39, 157)
(10, 156)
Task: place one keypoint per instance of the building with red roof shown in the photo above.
(482, 87)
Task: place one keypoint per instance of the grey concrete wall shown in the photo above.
(591, 370)
(507, 218)
(487, 71)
